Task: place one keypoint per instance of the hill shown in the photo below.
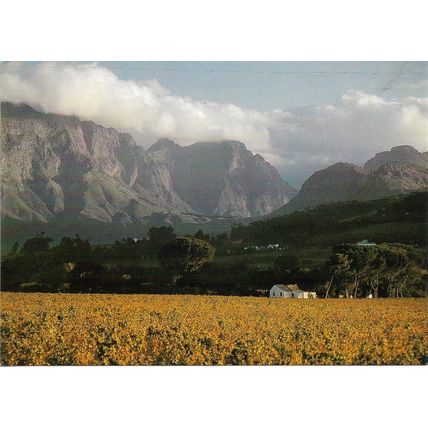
(401, 170)
(395, 219)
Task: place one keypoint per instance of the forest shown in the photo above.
(395, 219)
(202, 264)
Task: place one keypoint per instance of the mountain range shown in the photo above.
(57, 166)
(60, 167)
(403, 169)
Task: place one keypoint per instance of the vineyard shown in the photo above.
(83, 329)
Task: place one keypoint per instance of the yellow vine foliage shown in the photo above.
(83, 329)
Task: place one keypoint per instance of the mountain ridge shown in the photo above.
(403, 169)
(56, 165)
(405, 154)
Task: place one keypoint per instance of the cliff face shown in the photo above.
(56, 165)
(60, 166)
(221, 178)
(384, 175)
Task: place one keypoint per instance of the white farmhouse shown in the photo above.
(290, 291)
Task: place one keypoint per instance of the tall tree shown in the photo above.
(201, 235)
(72, 249)
(338, 266)
(159, 236)
(185, 255)
(38, 244)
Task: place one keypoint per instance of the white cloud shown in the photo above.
(96, 93)
(354, 129)
(298, 142)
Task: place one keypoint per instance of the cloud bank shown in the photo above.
(297, 142)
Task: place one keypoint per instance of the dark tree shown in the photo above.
(73, 250)
(86, 276)
(38, 244)
(221, 239)
(393, 270)
(338, 268)
(202, 236)
(185, 255)
(159, 236)
(34, 258)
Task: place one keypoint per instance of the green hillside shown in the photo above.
(396, 219)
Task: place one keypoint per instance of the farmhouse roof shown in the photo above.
(282, 287)
(288, 287)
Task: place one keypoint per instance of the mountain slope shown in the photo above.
(221, 178)
(400, 218)
(57, 166)
(379, 178)
(404, 154)
(60, 166)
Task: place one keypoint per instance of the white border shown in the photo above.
(213, 397)
(221, 30)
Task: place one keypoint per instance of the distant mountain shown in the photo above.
(401, 170)
(57, 166)
(221, 178)
(404, 154)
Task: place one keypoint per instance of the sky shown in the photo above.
(301, 116)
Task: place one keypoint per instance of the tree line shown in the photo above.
(333, 223)
(203, 264)
(394, 270)
(76, 265)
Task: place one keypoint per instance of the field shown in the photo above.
(83, 329)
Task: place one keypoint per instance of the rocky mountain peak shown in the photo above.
(220, 177)
(23, 110)
(387, 173)
(57, 165)
(163, 144)
(405, 154)
(404, 149)
(342, 172)
(344, 166)
(230, 143)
